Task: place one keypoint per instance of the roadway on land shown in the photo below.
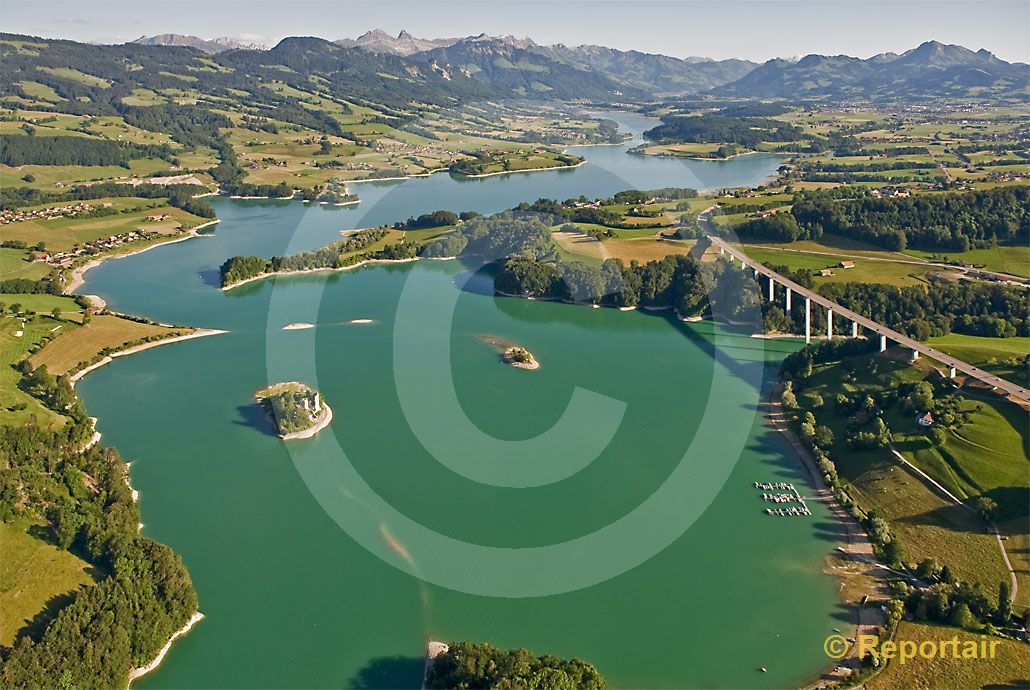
(994, 382)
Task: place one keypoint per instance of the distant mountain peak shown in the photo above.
(930, 70)
(208, 45)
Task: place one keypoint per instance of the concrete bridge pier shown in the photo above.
(951, 372)
(772, 290)
(808, 320)
(829, 324)
(854, 329)
(883, 343)
(915, 355)
(789, 292)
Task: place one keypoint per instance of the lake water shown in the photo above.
(329, 563)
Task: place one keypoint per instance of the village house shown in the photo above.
(846, 264)
(925, 419)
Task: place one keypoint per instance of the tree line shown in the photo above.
(142, 594)
(481, 665)
(240, 268)
(950, 222)
(18, 150)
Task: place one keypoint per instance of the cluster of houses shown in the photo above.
(92, 248)
(48, 213)
(891, 192)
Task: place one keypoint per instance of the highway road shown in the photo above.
(995, 382)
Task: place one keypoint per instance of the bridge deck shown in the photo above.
(991, 380)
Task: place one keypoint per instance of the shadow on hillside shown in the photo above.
(34, 627)
(951, 516)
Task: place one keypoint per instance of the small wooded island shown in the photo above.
(295, 410)
(520, 357)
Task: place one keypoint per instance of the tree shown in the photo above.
(823, 436)
(964, 618)
(55, 313)
(986, 506)
(938, 436)
(921, 397)
(892, 552)
(928, 569)
(1004, 612)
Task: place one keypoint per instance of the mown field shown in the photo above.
(85, 342)
(927, 524)
(1012, 260)
(44, 304)
(1009, 668)
(16, 263)
(34, 575)
(1004, 357)
(18, 406)
(865, 270)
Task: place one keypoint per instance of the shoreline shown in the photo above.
(412, 176)
(140, 672)
(515, 172)
(309, 271)
(327, 417)
(197, 333)
(78, 278)
(852, 539)
(699, 158)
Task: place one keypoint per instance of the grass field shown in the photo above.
(1007, 670)
(1012, 260)
(865, 271)
(104, 331)
(44, 304)
(1017, 544)
(13, 348)
(50, 176)
(34, 575)
(15, 263)
(1005, 357)
(927, 524)
(986, 456)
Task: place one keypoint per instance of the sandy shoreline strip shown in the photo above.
(527, 170)
(199, 333)
(311, 271)
(140, 672)
(78, 278)
(308, 433)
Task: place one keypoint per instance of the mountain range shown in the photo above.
(931, 70)
(211, 46)
(388, 70)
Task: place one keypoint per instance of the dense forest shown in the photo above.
(471, 665)
(32, 150)
(143, 593)
(949, 222)
(336, 254)
(723, 127)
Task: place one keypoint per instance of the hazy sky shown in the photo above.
(753, 29)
